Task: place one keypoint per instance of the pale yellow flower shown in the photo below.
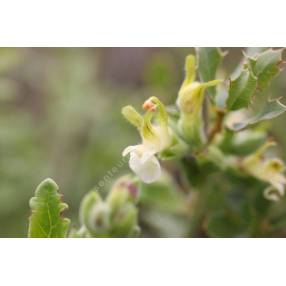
(190, 102)
(268, 170)
(153, 128)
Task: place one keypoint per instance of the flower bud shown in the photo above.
(125, 189)
(98, 221)
(87, 203)
(94, 214)
(124, 222)
(123, 212)
(190, 102)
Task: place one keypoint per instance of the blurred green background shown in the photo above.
(60, 117)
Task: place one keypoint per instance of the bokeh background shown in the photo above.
(60, 117)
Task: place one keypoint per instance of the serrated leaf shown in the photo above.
(209, 60)
(46, 220)
(249, 52)
(241, 90)
(271, 110)
(265, 66)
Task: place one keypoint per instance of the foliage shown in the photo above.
(46, 220)
(205, 165)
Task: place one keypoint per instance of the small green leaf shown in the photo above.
(241, 90)
(271, 110)
(242, 143)
(209, 60)
(265, 66)
(46, 220)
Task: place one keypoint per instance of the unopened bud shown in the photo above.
(94, 214)
(124, 222)
(125, 189)
(190, 102)
(98, 220)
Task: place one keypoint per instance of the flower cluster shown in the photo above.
(157, 136)
(225, 174)
(188, 134)
(116, 216)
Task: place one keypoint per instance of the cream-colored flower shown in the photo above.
(269, 170)
(190, 102)
(153, 128)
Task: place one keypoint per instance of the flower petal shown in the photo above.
(273, 194)
(146, 155)
(129, 149)
(278, 181)
(149, 171)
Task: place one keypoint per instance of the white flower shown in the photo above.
(143, 162)
(155, 138)
(268, 170)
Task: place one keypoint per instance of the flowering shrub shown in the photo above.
(226, 179)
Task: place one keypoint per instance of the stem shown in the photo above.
(197, 214)
(218, 125)
(198, 200)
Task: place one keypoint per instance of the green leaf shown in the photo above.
(209, 60)
(255, 76)
(271, 110)
(265, 66)
(242, 143)
(241, 90)
(46, 220)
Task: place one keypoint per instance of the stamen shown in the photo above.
(149, 105)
